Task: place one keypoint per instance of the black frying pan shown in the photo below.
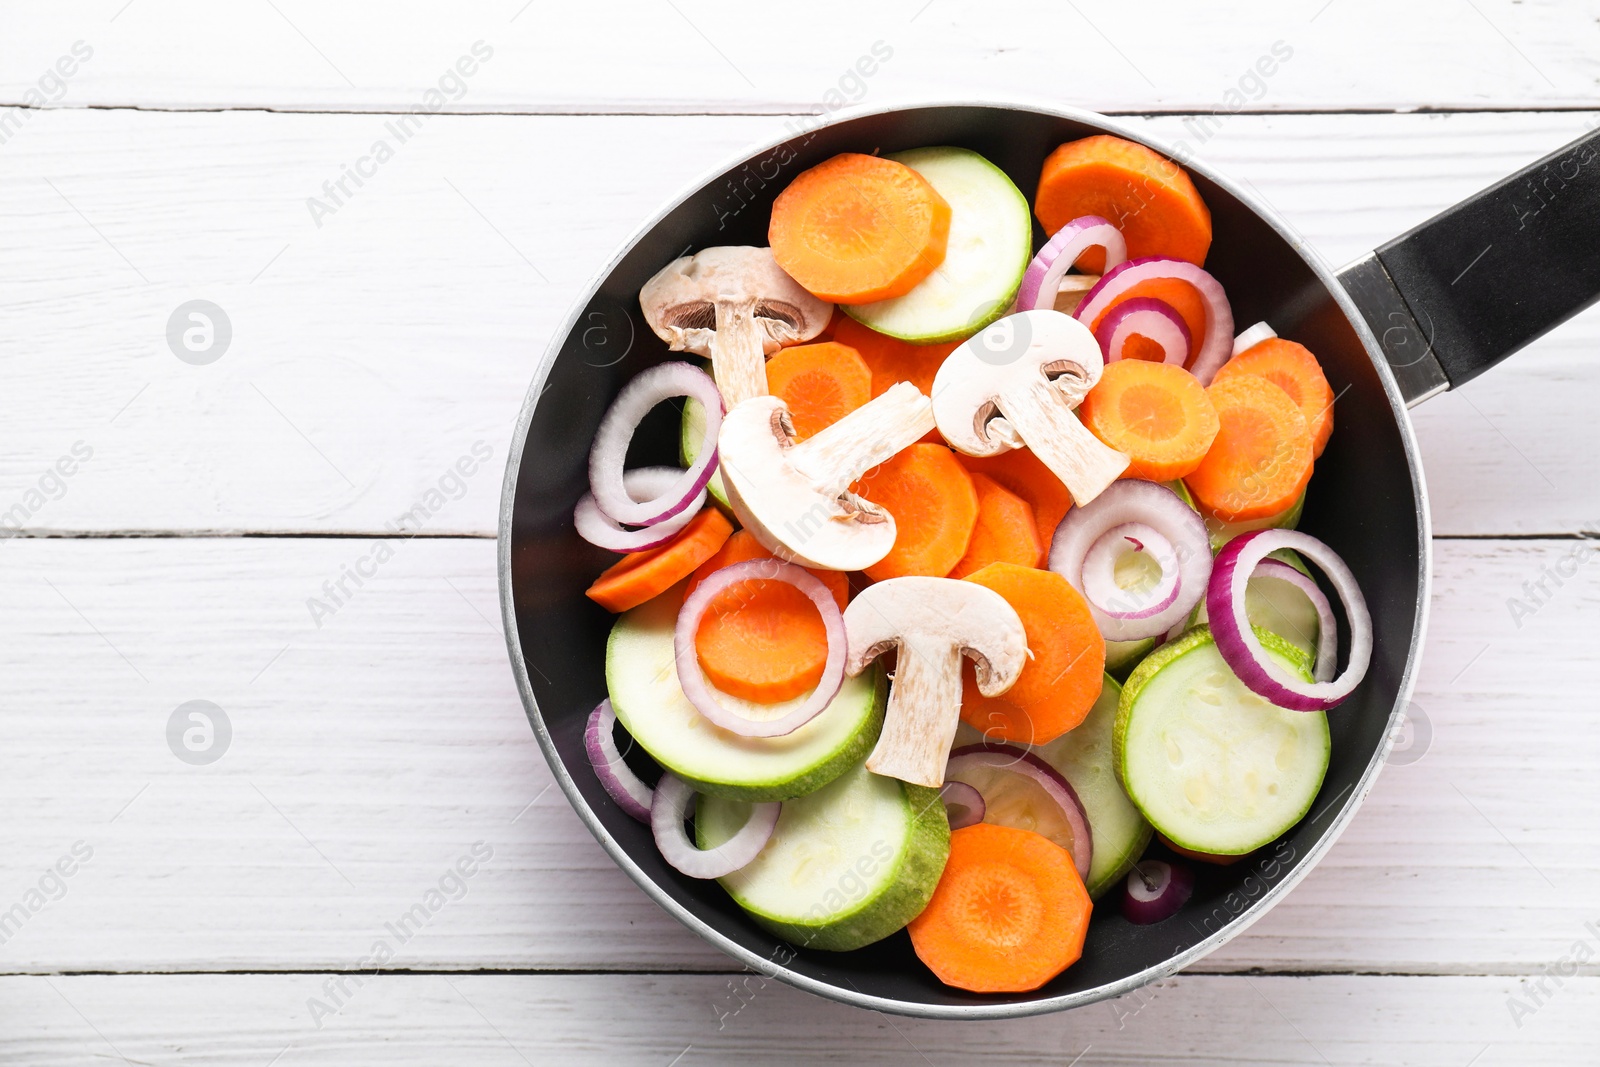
(1424, 313)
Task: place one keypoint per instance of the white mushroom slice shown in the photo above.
(930, 623)
(795, 498)
(1015, 383)
(735, 305)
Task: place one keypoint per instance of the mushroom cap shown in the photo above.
(784, 508)
(928, 615)
(680, 303)
(1011, 358)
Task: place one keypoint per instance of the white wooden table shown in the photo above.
(213, 910)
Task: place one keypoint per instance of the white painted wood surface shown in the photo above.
(504, 1021)
(371, 353)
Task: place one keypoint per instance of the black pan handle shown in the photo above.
(1480, 280)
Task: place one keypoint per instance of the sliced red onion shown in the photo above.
(693, 680)
(661, 382)
(1156, 506)
(998, 757)
(1100, 586)
(962, 804)
(642, 483)
(1327, 635)
(672, 802)
(619, 781)
(1237, 641)
(1156, 890)
(1218, 343)
(1147, 317)
(1042, 280)
(1252, 337)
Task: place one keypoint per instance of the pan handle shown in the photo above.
(1479, 280)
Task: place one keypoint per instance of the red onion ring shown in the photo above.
(1013, 759)
(616, 777)
(1327, 629)
(1146, 317)
(671, 806)
(610, 451)
(642, 483)
(1242, 649)
(1252, 337)
(692, 679)
(1042, 280)
(963, 805)
(1156, 890)
(1125, 501)
(1218, 343)
(1100, 586)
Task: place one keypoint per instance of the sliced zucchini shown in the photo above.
(846, 866)
(1213, 766)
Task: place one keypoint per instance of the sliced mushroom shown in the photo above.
(735, 305)
(795, 498)
(930, 623)
(1016, 383)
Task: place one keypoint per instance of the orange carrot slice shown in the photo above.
(641, 576)
(1156, 413)
(1292, 368)
(1005, 531)
(890, 359)
(1025, 475)
(1260, 462)
(762, 640)
(934, 506)
(1066, 665)
(821, 383)
(1009, 913)
(1147, 196)
(859, 228)
(1203, 857)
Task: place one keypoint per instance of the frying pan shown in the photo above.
(1426, 312)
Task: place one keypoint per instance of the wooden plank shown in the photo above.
(369, 755)
(251, 1020)
(701, 55)
(370, 354)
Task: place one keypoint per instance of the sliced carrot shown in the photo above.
(859, 228)
(1066, 660)
(1181, 297)
(1292, 368)
(1026, 475)
(641, 576)
(762, 640)
(890, 359)
(821, 383)
(1149, 198)
(1005, 532)
(1156, 413)
(1261, 459)
(934, 506)
(1009, 912)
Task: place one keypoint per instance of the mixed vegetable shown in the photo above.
(865, 628)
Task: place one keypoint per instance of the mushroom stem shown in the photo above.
(924, 709)
(1085, 464)
(738, 358)
(836, 456)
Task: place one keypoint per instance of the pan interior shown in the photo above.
(1362, 501)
